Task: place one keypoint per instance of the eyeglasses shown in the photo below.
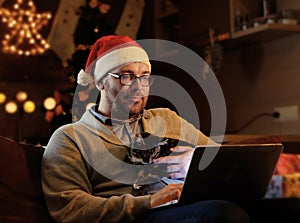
(129, 79)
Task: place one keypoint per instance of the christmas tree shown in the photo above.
(97, 19)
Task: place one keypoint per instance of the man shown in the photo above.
(89, 171)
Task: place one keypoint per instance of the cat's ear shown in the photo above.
(145, 134)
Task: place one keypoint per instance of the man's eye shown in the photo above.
(127, 77)
(146, 78)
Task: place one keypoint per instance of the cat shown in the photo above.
(144, 149)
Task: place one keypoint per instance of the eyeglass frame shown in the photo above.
(134, 78)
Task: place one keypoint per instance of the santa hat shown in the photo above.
(108, 53)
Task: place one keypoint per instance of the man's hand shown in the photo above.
(168, 193)
(179, 161)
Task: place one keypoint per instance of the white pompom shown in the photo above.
(84, 78)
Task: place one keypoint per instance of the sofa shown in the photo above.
(22, 199)
(21, 194)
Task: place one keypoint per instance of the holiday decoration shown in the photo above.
(24, 24)
(95, 21)
(131, 18)
(76, 27)
(61, 37)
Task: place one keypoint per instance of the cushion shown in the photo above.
(21, 198)
(288, 164)
(284, 186)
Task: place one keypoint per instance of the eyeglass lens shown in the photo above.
(128, 79)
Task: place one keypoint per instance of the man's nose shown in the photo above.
(137, 83)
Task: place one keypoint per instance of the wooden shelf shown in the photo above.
(188, 25)
(275, 27)
(260, 34)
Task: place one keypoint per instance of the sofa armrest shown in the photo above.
(20, 183)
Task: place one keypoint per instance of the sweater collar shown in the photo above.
(95, 125)
(109, 121)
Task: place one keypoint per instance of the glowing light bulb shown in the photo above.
(11, 24)
(2, 98)
(24, 24)
(21, 96)
(11, 107)
(29, 106)
(12, 49)
(49, 103)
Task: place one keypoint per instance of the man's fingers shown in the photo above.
(177, 175)
(174, 168)
(168, 159)
(180, 149)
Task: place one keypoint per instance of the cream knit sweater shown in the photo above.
(83, 176)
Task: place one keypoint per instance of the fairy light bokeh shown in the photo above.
(24, 23)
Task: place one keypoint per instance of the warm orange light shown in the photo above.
(11, 107)
(21, 96)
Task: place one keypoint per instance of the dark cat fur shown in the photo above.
(144, 150)
(147, 147)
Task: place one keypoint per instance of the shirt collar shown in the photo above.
(108, 120)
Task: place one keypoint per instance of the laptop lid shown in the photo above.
(237, 172)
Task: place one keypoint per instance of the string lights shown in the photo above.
(24, 24)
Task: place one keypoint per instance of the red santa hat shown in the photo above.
(108, 53)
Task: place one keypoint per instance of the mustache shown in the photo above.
(136, 94)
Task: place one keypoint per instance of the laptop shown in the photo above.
(233, 172)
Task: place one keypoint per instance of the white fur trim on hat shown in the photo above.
(84, 78)
(119, 57)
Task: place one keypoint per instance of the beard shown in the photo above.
(138, 107)
(125, 103)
